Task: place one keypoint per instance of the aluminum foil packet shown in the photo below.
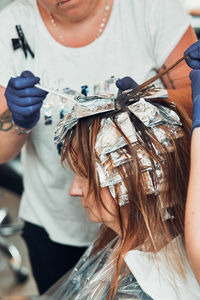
(87, 106)
(153, 114)
(80, 108)
(69, 121)
(109, 139)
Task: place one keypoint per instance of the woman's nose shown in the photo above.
(76, 187)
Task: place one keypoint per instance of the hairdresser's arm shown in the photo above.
(24, 101)
(192, 214)
(177, 80)
(10, 141)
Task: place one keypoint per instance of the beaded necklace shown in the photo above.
(100, 30)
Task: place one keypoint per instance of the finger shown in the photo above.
(27, 74)
(192, 63)
(22, 83)
(193, 60)
(19, 119)
(194, 50)
(195, 75)
(28, 92)
(25, 102)
(25, 122)
(126, 83)
(26, 111)
(195, 54)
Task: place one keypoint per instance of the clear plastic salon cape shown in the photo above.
(90, 279)
(150, 276)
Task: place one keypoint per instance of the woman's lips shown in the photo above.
(84, 205)
(60, 3)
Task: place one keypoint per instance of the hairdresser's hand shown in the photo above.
(126, 83)
(195, 83)
(193, 60)
(24, 100)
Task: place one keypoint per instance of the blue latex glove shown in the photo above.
(24, 100)
(193, 60)
(125, 83)
(195, 83)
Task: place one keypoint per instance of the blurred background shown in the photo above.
(15, 271)
(193, 8)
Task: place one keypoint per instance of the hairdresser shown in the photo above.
(79, 47)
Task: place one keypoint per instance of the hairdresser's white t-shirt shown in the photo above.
(138, 38)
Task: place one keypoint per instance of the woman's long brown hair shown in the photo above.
(146, 213)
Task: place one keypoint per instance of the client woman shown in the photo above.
(131, 168)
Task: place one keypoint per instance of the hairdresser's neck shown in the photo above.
(91, 13)
(78, 26)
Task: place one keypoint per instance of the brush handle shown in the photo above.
(44, 88)
(154, 78)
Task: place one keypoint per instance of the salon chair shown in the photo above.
(7, 228)
(11, 179)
